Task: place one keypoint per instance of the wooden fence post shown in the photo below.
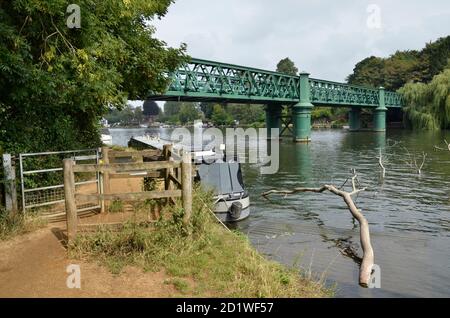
(167, 152)
(106, 184)
(10, 184)
(186, 185)
(69, 194)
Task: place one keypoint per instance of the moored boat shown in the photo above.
(215, 172)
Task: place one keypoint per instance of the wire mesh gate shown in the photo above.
(42, 186)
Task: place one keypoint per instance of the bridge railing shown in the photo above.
(212, 79)
(202, 79)
(393, 99)
(333, 93)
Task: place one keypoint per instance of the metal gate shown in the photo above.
(41, 179)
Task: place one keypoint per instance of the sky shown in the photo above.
(323, 37)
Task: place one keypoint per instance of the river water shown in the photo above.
(408, 213)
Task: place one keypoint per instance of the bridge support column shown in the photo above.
(379, 115)
(301, 112)
(273, 114)
(354, 119)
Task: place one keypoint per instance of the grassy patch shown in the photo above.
(180, 284)
(17, 224)
(116, 206)
(221, 263)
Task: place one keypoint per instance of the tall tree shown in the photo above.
(151, 108)
(220, 116)
(171, 108)
(188, 113)
(403, 66)
(427, 106)
(57, 82)
(286, 66)
(207, 109)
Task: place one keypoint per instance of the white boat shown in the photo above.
(224, 178)
(215, 172)
(105, 137)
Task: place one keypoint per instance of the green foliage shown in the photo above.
(247, 114)
(286, 66)
(207, 109)
(180, 112)
(126, 116)
(116, 206)
(403, 66)
(172, 108)
(220, 117)
(188, 113)
(151, 108)
(56, 82)
(427, 106)
(13, 224)
(321, 113)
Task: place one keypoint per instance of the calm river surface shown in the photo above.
(409, 215)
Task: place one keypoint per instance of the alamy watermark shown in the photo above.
(374, 18)
(375, 277)
(74, 19)
(74, 279)
(261, 150)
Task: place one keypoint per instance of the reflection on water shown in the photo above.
(408, 214)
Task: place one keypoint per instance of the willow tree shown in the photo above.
(427, 106)
(56, 82)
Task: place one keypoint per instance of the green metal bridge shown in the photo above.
(202, 80)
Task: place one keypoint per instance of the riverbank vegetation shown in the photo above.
(211, 261)
(421, 77)
(13, 224)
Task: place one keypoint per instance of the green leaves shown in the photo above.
(403, 66)
(428, 105)
(53, 78)
(286, 66)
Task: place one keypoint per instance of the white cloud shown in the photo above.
(325, 38)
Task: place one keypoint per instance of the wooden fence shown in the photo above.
(177, 176)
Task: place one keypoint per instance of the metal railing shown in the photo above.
(42, 187)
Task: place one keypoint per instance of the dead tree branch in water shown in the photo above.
(411, 161)
(444, 149)
(381, 162)
(384, 160)
(368, 255)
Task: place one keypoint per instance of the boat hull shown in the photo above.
(222, 208)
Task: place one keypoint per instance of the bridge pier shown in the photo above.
(379, 115)
(301, 112)
(354, 119)
(273, 120)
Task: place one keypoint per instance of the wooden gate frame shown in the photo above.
(124, 170)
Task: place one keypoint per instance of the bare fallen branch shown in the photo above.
(380, 162)
(368, 254)
(411, 161)
(444, 149)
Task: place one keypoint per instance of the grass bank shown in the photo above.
(211, 262)
(13, 224)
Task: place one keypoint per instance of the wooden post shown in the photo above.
(106, 184)
(167, 152)
(186, 185)
(69, 194)
(10, 184)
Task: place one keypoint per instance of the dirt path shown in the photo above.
(34, 265)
